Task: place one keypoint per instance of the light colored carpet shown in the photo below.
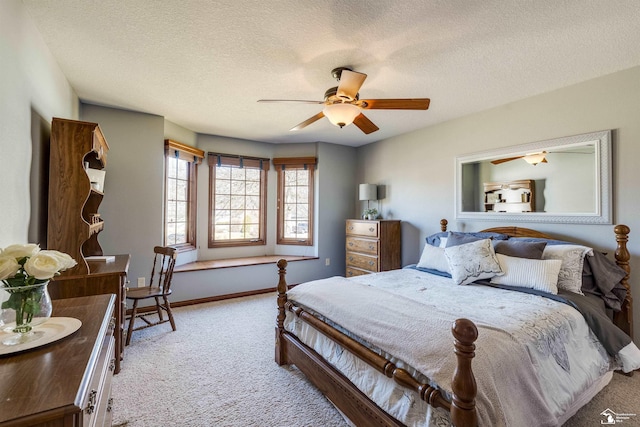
(217, 369)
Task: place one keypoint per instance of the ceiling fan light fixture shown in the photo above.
(341, 114)
(535, 158)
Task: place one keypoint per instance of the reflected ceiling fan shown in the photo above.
(343, 106)
(532, 159)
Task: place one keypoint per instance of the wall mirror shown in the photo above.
(564, 180)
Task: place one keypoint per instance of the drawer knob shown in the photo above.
(371, 229)
(350, 258)
(372, 247)
(351, 227)
(350, 273)
(350, 243)
(371, 263)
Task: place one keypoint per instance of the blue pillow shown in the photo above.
(434, 239)
(549, 242)
(456, 239)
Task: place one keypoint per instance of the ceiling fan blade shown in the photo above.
(308, 121)
(365, 124)
(350, 83)
(291, 100)
(506, 159)
(395, 104)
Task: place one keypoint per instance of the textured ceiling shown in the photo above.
(204, 64)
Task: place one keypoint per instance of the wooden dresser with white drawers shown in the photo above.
(372, 246)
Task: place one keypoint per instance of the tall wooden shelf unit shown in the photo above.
(74, 222)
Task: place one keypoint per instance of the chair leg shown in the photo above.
(159, 310)
(169, 313)
(132, 319)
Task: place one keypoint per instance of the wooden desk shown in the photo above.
(103, 278)
(67, 382)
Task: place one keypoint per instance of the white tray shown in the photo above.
(54, 329)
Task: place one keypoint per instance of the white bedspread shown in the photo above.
(534, 356)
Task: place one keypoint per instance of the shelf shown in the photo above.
(96, 228)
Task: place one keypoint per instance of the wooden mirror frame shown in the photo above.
(603, 209)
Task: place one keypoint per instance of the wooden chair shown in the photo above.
(161, 273)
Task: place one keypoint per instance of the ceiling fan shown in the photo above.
(343, 106)
(532, 159)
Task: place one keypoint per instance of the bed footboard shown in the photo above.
(290, 350)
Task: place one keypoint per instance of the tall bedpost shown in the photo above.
(282, 300)
(463, 383)
(443, 225)
(624, 318)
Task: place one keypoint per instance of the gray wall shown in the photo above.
(419, 168)
(133, 203)
(33, 90)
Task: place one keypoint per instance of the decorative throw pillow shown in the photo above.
(572, 257)
(472, 261)
(433, 258)
(515, 248)
(538, 274)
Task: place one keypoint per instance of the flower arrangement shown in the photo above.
(371, 213)
(22, 269)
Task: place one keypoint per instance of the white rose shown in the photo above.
(8, 267)
(64, 260)
(42, 266)
(21, 251)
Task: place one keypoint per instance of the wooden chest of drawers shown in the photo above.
(67, 382)
(372, 246)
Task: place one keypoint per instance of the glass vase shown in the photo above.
(23, 308)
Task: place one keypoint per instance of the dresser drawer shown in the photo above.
(365, 246)
(96, 406)
(352, 272)
(366, 262)
(362, 228)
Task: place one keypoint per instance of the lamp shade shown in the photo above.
(535, 158)
(368, 192)
(341, 114)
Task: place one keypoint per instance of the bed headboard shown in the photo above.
(624, 318)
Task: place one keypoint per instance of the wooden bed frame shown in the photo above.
(356, 405)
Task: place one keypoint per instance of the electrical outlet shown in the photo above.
(327, 261)
(140, 282)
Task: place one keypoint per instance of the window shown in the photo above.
(181, 163)
(237, 197)
(295, 200)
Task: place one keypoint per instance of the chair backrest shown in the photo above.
(163, 263)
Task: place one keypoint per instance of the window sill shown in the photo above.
(237, 262)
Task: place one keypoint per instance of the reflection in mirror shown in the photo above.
(562, 180)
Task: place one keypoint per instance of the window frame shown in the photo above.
(237, 161)
(194, 156)
(281, 164)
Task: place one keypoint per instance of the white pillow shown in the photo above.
(433, 257)
(572, 256)
(538, 274)
(472, 261)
